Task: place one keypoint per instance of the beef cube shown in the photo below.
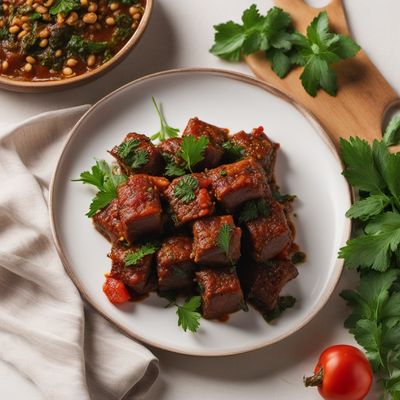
(206, 248)
(264, 283)
(188, 198)
(270, 235)
(233, 184)
(137, 154)
(216, 137)
(257, 145)
(170, 150)
(108, 223)
(139, 207)
(221, 293)
(175, 269)
(136, 277)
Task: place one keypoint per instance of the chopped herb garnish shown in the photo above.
(103, 179)
(125, 148)
(64, 7)
(165, 131)
(132, 258)
(188, 315)
(185, 188)
(298, 257)
(140, 158)
(80, 46)
(224, 238)
(234, 151)
(283, 198)
(223, 172)
(171, 168)
(132, 157)
(284, 302)
(254, 209)
(192, 150)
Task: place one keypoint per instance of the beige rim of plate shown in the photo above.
(249, 80)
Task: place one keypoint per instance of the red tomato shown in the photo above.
(342, 373)
(115, 290)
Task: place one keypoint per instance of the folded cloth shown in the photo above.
(46, 332)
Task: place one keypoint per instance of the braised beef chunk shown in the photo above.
(233, 184)
(139, 207)
(136, 277)
(257, 145)
(107, 222)
(216, 137)
(137, 154)
(188, 198)
(175, 269)
(268, 236)
(221, 293)
(264, 283)
(206, 246)
(170, 150)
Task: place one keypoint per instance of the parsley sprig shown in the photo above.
(192, 150)
(185, 188)
(133, 257)
(102, 177)
(224, 238)
(375, 252)
(135, 159)
(285, 48)
(165, 131)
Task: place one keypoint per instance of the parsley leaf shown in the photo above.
(188, 316)
(103, 179)
(165, 131)
(64, 7)
(254, 209)
(391, 135)
(132, 157)
(192, 150)
(185, 188)
(132, 258)
(224, 238)
(366, 208)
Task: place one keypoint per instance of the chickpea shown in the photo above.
(110, 21)
(5, 7)
(91, 60)
(67, 71)
(43, 43)
(58, 53)
(92, 7)
(30, 59)
(26, 27)
(21, 34)
(29, 2)
(28, 67)
(24, 18)
(49, 3)
(90, 18)
(41, 9)
(84, 3)
(137, 17)
(133, 10)
(4, 65)
(72, 18)
(71, 62)
(114, 6)
(44, 33)
(14, 29)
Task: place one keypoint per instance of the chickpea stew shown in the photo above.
(56, 39)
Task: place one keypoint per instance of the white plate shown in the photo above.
(307, 166)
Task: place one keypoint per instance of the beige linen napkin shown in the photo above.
(46, 332)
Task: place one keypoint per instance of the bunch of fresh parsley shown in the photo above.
(273, 33)
(375, 252)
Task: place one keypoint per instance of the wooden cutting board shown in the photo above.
(364, 95)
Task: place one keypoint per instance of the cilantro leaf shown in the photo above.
(165, 131)
(367, 208)
(229, 38)
(125, 148)
(188, 316)
(391, 135)
(224, 238)
(174, 170)
(254, 209)
(140, 158)
(133, 158)
(192, 150)
(185, 189)
(132, 258)
(235, 152)
(102, 177)
(64, 7)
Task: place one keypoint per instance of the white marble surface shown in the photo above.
(179, 35)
